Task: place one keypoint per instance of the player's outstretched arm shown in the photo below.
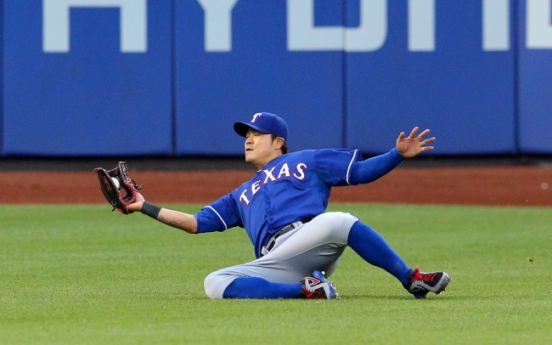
(176, 219)
(414, 144)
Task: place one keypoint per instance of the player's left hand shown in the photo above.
(414, 144)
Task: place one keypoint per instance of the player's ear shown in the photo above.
(279, 142)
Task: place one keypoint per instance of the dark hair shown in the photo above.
(284, 147)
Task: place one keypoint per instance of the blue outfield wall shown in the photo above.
(170, 77)
(69, 89)
(220, 81)
(535, 76)
(1, 78)
(434, 74)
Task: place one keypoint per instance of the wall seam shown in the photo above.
(344, 84)
(516, 88)
(2, 58)
(173, 80)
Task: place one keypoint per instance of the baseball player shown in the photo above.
(283, 210)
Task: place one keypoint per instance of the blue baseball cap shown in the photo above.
(265, 123)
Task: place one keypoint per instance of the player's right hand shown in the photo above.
(414, 144)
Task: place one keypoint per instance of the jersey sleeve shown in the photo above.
(219, 216)
(334, 165)
(375, 167)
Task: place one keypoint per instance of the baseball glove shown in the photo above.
(119, 189)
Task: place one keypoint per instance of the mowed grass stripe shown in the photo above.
(85, 275)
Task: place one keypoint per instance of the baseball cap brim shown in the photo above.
(242, 127)
(264, 122)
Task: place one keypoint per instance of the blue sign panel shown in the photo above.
(170, 77)
(1, 80)
(233, 60)
(84, 77)
(535, 77)
(433, 64)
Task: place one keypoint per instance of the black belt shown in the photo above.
(270, 244)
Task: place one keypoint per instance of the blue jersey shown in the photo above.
(291, 187)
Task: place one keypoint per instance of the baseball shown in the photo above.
(116, 182)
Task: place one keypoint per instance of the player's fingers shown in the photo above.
(413, 133)
(427, 141)
(423, 134)
(427, 148)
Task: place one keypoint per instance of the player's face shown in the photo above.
(260, 148)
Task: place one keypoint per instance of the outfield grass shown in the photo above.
(85, 275)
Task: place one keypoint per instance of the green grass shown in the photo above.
(85, 275)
